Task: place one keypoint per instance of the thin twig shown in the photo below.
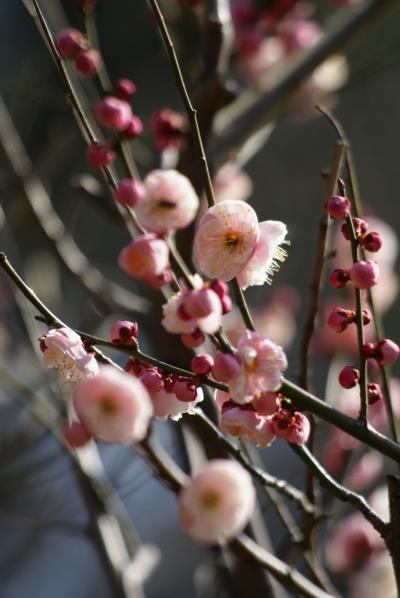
(341, 492)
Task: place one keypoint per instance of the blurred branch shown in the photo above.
(108, 295)
(255, 109)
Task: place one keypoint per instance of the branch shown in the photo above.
(257, 110)
(393, 483)
(341, 492)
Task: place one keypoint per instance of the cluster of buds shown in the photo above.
(114, 112)
(192, 313)
(72, 44)
(363, 275)
(171, 394)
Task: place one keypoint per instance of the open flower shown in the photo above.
(63, 349)
(226, 239)
(261, 365)
(243, 421)
(170, 202)
(267, 255)
(166, 404)
(218, 502)
(114, 406)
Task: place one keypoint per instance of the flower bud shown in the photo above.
(152, 379)
(124, 332)
(349, 377)
(130, 192)
(145, 256)
(199, 303)
(100, 155)
(185, 390)
(386, 352)
(372, 242)
(75, 434)
(339, 278)
(88, 62)
(292, 426)
(226, 367)
(202, 364)
(338, 207)
(70, 42)
(134, 128)
(374, 393)
(364, 274)
(193, 339)
(113, 113)
(124, 89)
(340, 318)
(360, 228)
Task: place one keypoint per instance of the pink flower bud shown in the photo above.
(293, 427)
(145, 256)
(226, 367)
(100, 155)
(360, 228)
(366, 317)
(167, 127)
(113, 113)
(369, 350)
(372, 242)
(374, 393)
(387, 352)
(157, 282)
(88, 62)
(338, 207)
(76, 435)
(364, 274)
(124, 89)
(227, 304)
(185, 390)
(220, 287)
(193, 339)
(202, 364)
(349, 377)
(70, 42)
(199, 303)
(339, 278)
(340, 318)
(217, 503)
(124, 332)
(152, 379)
(130, 192)
(134, 128)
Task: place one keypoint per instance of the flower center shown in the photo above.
(210, 500)
(107, 405)
(232, 240)
(165, 204)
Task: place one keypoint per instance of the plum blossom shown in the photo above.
(167, 405)
(245, 422)
(226, 238)
(113, 406)
(261, 365)
(232, 183)
(217, 503)
(268, 252)
(170, 202)
(293, 426)
(63, 350)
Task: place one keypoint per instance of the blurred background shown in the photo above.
(47, 547)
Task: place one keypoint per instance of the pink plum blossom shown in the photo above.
(226, 239)
(166, 404)
(113, 113)
(261, 365)
(170, 202)
(63, 349)
(268, 252)
(217, 503)
(146, 256)
(114, 406)
(232, 183)
(245, 422)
